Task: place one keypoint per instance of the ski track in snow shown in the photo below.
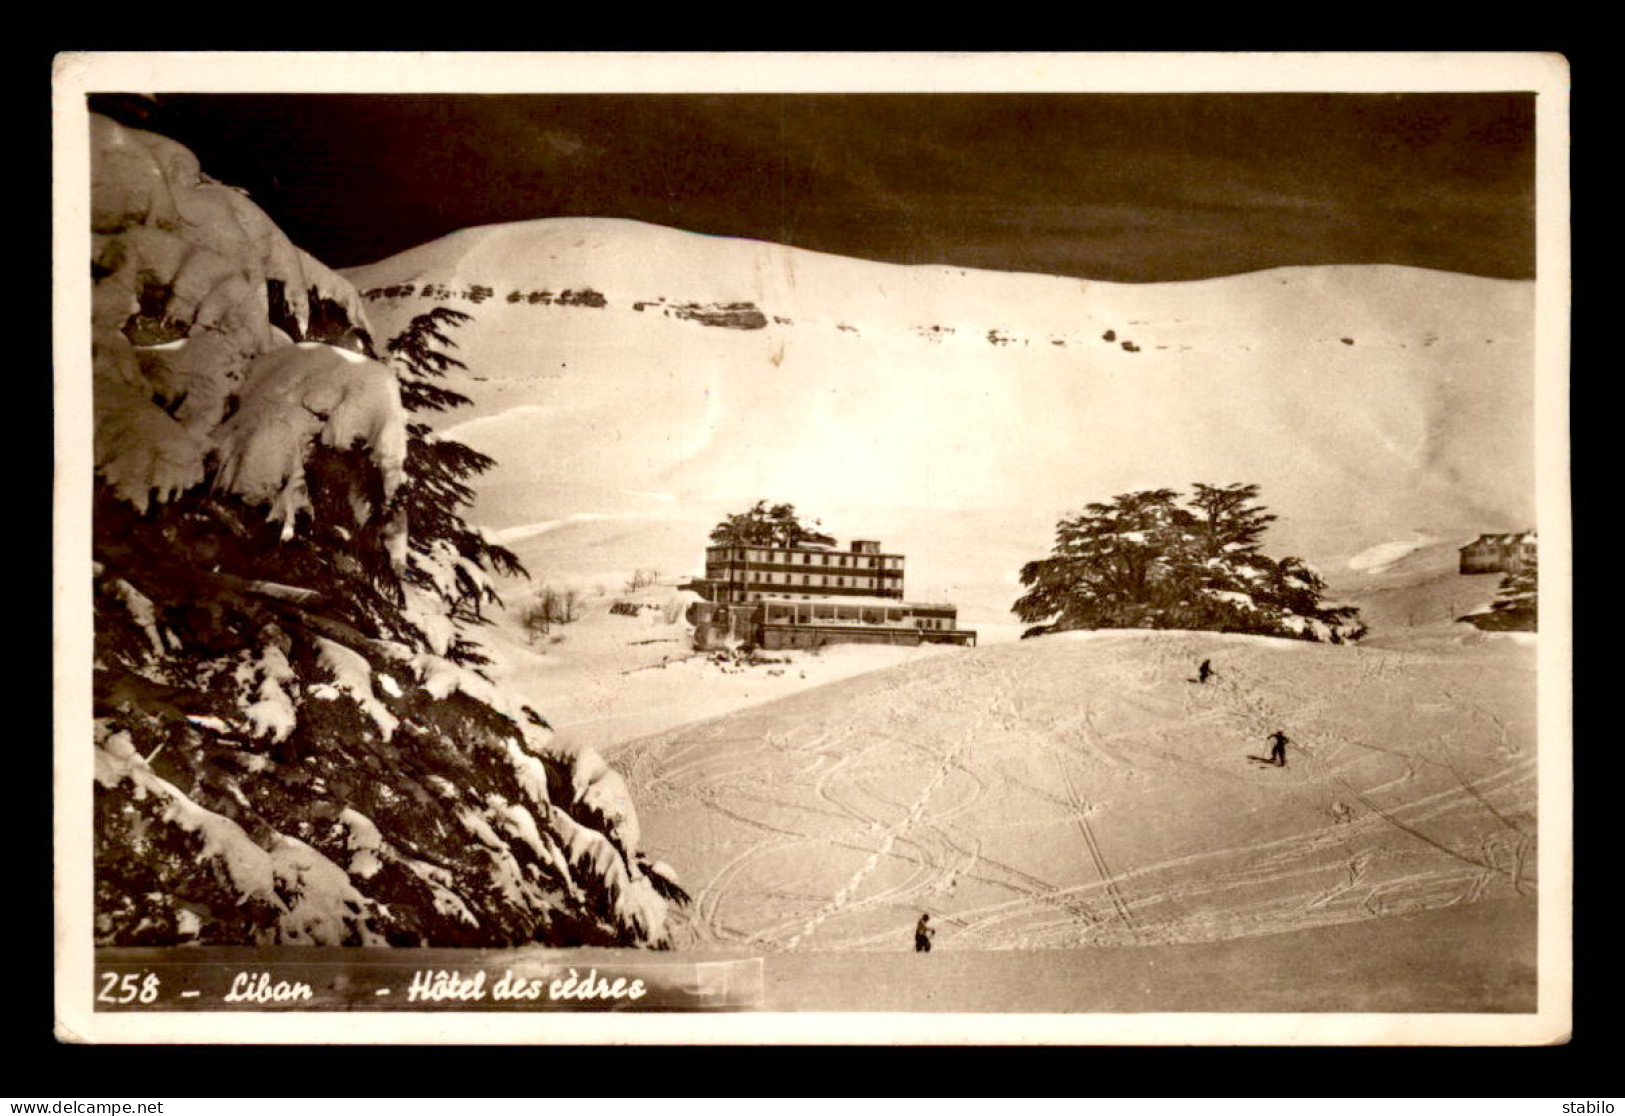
(1025, 815)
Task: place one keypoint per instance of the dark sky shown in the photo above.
(1119, 187)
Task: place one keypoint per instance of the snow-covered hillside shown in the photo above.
(636, 383)
(1082, 789)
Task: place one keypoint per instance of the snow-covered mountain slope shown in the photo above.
(1082, 789)
(1415, 599)
(637, 382)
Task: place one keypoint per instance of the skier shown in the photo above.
(1205, 671)
(1278, 743)
(923, 934)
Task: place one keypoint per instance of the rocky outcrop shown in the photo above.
(729, 315)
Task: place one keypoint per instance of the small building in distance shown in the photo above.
(809, 595)
(1499, 553)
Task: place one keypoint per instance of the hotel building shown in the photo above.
(809, 595)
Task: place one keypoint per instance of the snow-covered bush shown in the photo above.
(293, 741)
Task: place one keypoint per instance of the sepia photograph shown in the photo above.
(753, 548)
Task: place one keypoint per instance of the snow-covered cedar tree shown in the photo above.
(449, 559)
(1516, 607)
(1146, 560)
(293, 740)
(768, 526)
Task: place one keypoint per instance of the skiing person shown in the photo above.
(1205, 671)
(1278, 743)
(923, 934)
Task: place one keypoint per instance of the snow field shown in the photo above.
(1081, 791)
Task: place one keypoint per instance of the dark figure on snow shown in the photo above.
(923, 933)
(1278, 743)
(1205, 671)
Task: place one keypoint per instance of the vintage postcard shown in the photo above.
(751, 548)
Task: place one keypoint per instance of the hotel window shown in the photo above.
(840, 581)
(843, 559)
(826, 559)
